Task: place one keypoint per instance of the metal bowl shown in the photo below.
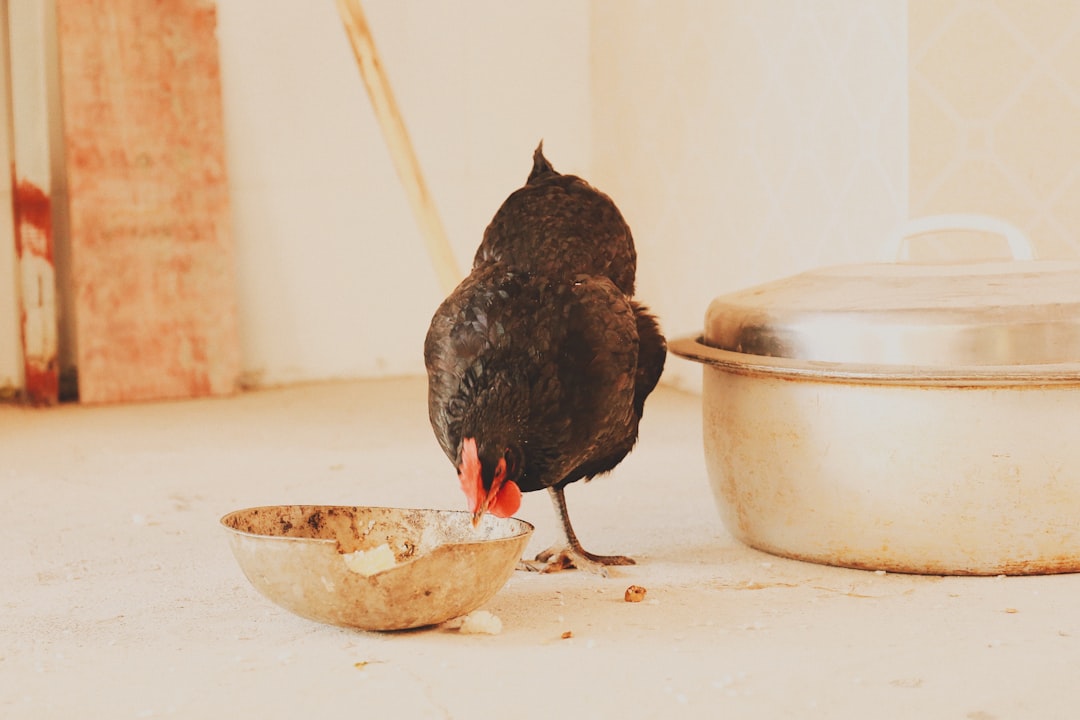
(296, 555)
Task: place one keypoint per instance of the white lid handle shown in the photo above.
(897, 249)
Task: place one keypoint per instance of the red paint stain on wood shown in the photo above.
(42, 383)
(34, 247)
(33, 210)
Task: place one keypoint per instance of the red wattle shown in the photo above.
(507, 501)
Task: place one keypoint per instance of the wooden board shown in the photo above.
(151, 249)
(31, 200)
(11, 355)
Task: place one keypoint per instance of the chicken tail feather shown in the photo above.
(541, 167)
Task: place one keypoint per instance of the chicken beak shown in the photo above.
(478, 512)
(486, 500)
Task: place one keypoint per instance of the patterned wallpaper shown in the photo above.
(995, 114)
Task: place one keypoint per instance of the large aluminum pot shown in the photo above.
(900, 416)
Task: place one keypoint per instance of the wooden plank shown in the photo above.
(11, 362)
(32, 205)
(152, 255)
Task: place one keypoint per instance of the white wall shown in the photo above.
(333, 278)
(746, 141)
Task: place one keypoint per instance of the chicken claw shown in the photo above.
(564, 557)
(569, 553)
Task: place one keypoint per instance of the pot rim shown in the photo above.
(694, 348)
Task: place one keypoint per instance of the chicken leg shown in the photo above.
(569, 553)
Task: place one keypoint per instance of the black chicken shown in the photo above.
(539, 362)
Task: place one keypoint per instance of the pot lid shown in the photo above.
(909, 316)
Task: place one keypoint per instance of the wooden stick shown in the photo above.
(401, 149)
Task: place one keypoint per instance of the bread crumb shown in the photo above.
(481, 622)
(634, 593)
(1010, 610)
(369, 562)
(567, 635)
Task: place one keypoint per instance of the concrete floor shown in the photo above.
(120, 598)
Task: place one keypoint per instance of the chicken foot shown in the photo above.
(569, 553)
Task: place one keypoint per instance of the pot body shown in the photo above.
(901, 416)
(937, 479)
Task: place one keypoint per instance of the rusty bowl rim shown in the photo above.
(524, 527)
